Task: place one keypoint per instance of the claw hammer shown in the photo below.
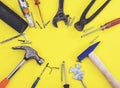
(95, 59)
(30, 54)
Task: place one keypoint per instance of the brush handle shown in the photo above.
(114, 83)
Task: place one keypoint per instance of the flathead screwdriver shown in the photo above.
(105, 26)
(37, 2)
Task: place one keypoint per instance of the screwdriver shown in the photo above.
(63, 69)
(37, 3)
(105, 26)
(38, 78)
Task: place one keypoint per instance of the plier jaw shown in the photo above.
(83, 20)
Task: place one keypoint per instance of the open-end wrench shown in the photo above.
(60, 14)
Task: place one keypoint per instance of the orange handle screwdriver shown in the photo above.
(105, 26)
(37, 2)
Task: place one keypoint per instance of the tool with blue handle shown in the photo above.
(89, 52)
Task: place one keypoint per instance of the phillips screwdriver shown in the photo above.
(37, 3)
(103, 27)
(63, 70)
(38, 78)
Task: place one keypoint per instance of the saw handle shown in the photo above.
(104, 70)
(4, 83)
(110, 24)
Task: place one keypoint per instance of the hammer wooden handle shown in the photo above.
(104, 70)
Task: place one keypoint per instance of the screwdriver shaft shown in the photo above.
(41, 16)
(43, 70)
(90, 32)
(7, 40)
(83, 84)
(105, 26)
(38, 78)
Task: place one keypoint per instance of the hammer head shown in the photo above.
(87, 51)
(30, 54)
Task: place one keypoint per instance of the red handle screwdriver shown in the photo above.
(105, 26)
(37, 2)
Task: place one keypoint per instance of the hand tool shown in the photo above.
(83, 21)
(60, 15)
(39, 25)
(70, 21)
(14, 37)
(103, 27)
(26, 41)
(89, 52)
(47, 23)
(63, 71)
(93, 39)
(78, 75)
(12, 19)
(38, 78)
(88, 29)
(51, 68)
(33, 20)
(24, 7)
(37, 2)
(30, 54)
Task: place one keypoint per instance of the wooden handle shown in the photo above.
(104, 70)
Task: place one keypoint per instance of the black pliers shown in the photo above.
(83, 21)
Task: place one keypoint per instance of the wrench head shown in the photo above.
(59, 17)
(30, 53)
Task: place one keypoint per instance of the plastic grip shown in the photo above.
(4, 83)
(37, 2)
(66, 86)
(35, 83)
(111, 23)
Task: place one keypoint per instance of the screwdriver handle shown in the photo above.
(4, 83)
(66, 86)
(35, 83)
(110, 24)
(37, 2)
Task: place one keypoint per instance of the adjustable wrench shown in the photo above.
(60, 14)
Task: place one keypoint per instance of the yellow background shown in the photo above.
(62, 44)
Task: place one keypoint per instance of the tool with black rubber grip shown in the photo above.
(12, 19)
